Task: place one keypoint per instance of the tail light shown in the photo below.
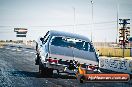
(55, 60)
(91, 67)
(52, 60)
(62, 62)
(49, 60)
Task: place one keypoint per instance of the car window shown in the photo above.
(72, 42)
(91, 48)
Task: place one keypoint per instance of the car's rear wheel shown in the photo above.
(45, 72)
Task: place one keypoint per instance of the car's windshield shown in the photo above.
(72, 42)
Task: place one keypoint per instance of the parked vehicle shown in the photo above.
(64, 52)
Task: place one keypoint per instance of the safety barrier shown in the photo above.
(116, 64)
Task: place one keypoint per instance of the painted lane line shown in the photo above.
(19, 50)
(26, 51)
(32, 52)
(7, 48)
(13, 49)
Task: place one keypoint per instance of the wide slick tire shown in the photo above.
(45, 72)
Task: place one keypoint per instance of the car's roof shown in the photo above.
(60, 33)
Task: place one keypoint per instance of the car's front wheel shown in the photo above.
(37, 59)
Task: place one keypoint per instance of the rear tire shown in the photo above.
(56, 75)
(45, 72)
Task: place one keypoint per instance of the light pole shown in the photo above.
(92, 22)
(117, 20)
(74, 20)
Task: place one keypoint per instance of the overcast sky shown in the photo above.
(39, 16)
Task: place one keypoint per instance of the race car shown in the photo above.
(62, 51)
